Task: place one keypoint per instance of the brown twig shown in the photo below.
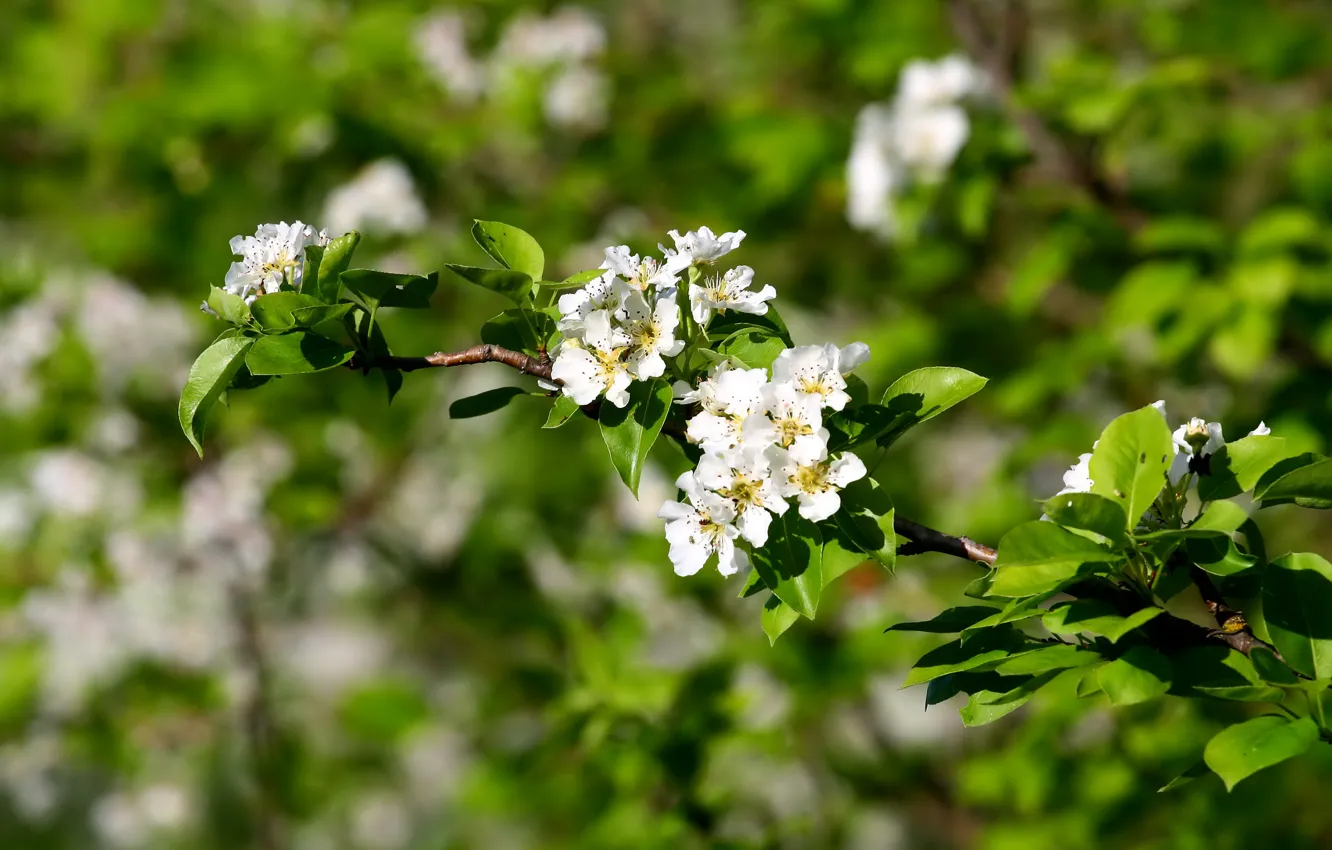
(925, 539)
(477, 354)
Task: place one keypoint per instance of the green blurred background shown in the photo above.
(361, 626)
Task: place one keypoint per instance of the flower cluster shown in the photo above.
(620, 327)
(1196, 438)
(917, 136)
(273, 255)
(763, 443)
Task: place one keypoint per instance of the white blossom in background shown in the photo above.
(578, 98)
(872, 174)
(382, 198)
(132, 819)
(570, 34)
(380, 821)
(441, 45)
(129, 333)
(917, 137)
(31, 332)
(275, 253)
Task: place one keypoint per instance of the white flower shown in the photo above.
(928, 140)
(872, 172)
(598, 295)
(275, 252)
(806, 473)
(792, 417)
(1261, 431)
(818, 370)
(925, 84)
(592, 367)
(744, 477)
(381, 198)
(1199, 432)
(577, 99)
(728, 397)
(700, 528)
(731, 291)
(441, 45)
(651, 333)
(641, 273)
(700, 246)
(1078, 477)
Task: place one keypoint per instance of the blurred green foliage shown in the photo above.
(471, 635)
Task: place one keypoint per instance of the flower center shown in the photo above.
(644, 335)
(811, 479)
(813, 386)
(789, 429)
(744, 490)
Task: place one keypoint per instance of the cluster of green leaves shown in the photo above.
(1116, 565)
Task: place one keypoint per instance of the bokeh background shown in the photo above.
(355, 625)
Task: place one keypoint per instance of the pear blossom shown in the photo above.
(651, 333)
(818, 370)
(276, 252)
(1078, 477)
(641, 273)
(592, 366)
(700, 246)
(1261, 431)
(699, 528)
(719, 293)
(728, 398)
(598, 295)
(950, 79)
(805, 472)
(744, 477)
(927, 141)
(873, 173)
(789, 417)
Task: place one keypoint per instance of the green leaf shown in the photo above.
(208, 379)
(1095, 617)
(515, 286)
(839, 555)
(1297, 599)
(755, 347)
(1199, 769)
(725, 324)
(1219, 672)
(232, 308)
(576, 279)
(337, 257)
(985, 650)
(375, 289)
(1088, 512)
(1270, 668)
(1054, 657)
(1238, 466)
(561, 411)
(866, 519)
(951, 621)
(777, 617)
(1139, 675)
(1218, 555)
(1015, 611)
(1244, 749)
(295, 353)
(1040, 557)
(791, 562)
(1130, 461)
(1222, 517)
(275, 311)
(925, 393)
(483, 403)
(520, 329)
(630, 431)
(988, 706)
(312, 317)
(1309, 486)
(510, 247)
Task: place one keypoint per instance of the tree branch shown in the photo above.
(484, 353)
(925, 539)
